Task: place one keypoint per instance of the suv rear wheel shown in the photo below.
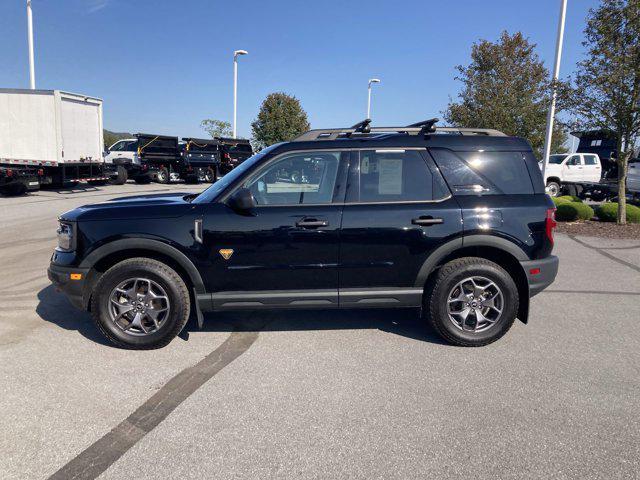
(472, 302)
(140, 303)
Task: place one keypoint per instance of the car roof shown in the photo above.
(463, 143)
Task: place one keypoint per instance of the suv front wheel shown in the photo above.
(472, 302)
(140, 303)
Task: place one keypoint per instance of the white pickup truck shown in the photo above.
(571, 168)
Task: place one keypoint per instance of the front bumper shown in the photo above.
(540, 273)
(73, 288)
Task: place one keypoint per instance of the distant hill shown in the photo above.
(112, 137)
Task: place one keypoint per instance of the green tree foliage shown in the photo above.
(112, 137)
(216, 128)
(605, 90)
(280, 119)
(506, 87)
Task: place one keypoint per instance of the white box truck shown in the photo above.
(59, 134)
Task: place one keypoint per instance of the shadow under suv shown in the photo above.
(453, 221)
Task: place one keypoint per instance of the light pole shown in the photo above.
(32, 71)
(371, 80)
(556, 73)
(236, 54)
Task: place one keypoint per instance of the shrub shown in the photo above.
(571, 211)
(571, 198)
(608, 212)
(560, 200)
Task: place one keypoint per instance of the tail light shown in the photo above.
(550, 223)
(227, 156)
(40, 172)
(145, 167)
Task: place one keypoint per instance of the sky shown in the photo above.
(163, 66)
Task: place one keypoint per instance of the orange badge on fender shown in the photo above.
(226, 253)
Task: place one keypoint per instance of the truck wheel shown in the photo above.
(140, 303)
(121, 176)
(553, 188)
(472, 302)
(163, 176)
(209, 175)
(142, 179)
(13, 189)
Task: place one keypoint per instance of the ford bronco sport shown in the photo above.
(452, 221)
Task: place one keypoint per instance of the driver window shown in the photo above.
(116, 147)
(574, 160)
(297, 178)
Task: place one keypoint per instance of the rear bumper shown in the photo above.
(540, 273)
(73, 289)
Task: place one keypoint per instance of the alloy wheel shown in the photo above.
(475, 304)
(139, 306)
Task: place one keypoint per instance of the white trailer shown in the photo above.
(58, 133)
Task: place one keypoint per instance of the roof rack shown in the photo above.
(364, 129)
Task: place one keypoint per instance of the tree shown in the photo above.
(280, 119)
(216, 128)
(112, 137)
(506, 86)
(605, 91)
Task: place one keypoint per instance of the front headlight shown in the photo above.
(65, 236)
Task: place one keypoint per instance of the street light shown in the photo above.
(236, 54)
(556, 73)
(32, 72)
(371, 80)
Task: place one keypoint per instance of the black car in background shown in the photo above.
(454, 222)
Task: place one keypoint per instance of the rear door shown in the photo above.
(592, 169)
(397, 211)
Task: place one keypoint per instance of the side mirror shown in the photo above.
(242, 201)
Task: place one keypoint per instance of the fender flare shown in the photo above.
(147, 244)
(439, 254)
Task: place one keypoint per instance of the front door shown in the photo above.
(397, 211)
(285, 253)
(573, 169)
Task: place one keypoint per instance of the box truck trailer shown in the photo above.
(56, 134)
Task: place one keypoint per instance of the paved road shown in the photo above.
(370, 394)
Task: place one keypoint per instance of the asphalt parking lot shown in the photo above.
(369, 394)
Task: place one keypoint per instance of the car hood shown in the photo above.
(139, 206)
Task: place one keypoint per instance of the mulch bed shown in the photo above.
(600, 229)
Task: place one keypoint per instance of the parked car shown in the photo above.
(123, 159)
(633, 177)
(454, 222)
(565, 169)
(203, 156)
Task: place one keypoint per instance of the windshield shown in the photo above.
(214, 190)
(557, 159)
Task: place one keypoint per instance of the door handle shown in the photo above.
(311, 223)
(426, 221)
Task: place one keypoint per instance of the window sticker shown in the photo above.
(390, 176)
(364, 166)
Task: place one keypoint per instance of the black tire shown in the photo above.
(554, 189)
(121, 176)
(142, 179)
(210, 175)
(156, 271)
(163, 176)
(13, 189)
(437, 298)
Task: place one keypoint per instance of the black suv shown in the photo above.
(453, 221)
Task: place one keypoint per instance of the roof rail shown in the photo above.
(363, 129)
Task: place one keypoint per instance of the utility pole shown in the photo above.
(556, 73)
(32, 71)
(235, 87)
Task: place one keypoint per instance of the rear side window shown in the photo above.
(590, 160)
(484, 173)
(390, 175)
